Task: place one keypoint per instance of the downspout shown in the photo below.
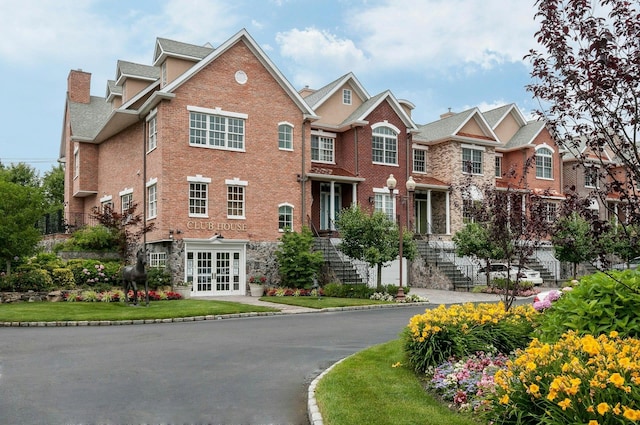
(355, 145)
(303, 175)
(144, 181)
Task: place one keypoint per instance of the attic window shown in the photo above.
(346, 96)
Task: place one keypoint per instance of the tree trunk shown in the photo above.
(379, 278)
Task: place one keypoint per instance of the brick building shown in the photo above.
(221, 154)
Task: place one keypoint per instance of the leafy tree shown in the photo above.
(21, 174)
(586, 75)
(298, 264)
(53, 186)
(627, 247)
(20, 209)
(475, 241)
(572, 241)
(128, 228)
(373, 238)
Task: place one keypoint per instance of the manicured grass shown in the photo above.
(322, 302)
(366, 389)
(80, 311)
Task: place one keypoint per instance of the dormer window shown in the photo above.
(346, 96)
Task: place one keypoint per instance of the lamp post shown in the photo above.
(411, 187)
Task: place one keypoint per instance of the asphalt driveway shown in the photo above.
(234, 371)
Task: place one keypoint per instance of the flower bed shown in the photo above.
(290, 292)
(117, 295)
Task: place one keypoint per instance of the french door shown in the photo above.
(215, 272)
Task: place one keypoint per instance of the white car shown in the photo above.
(632, 265)
(500, 270)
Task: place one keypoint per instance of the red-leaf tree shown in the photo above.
(586, 75)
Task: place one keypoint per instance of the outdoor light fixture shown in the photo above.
(411, 187)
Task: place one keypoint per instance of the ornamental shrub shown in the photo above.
(37, 280)
(348, 290)
(599, 304)
(93, 238)
(298, 263)
(577, 380)
(458, 331)
(89, 273)
(158, 277)
(63, 278)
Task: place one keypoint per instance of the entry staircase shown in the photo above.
(443, 257)
(342, 268)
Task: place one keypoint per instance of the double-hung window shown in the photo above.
(198, 196)
(346, 96)
(322, 147)
(153, 134)
(152, 198)
(215, 128)
(157, 259)
(384, 143)
(384, 202)
(544, 163)
(472, 160)
(285, 136)
(285, 217)
(126, 200)
(419, 160)
(498, 166)
(591, 177)
(236, 198)
(551, 212)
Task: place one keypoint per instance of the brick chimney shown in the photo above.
(79, 86)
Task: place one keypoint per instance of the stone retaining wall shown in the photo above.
(31, 296)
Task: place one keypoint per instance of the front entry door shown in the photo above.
(325, 205)
(214, 272)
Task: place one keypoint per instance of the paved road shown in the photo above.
(232, 371)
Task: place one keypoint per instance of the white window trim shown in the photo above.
(292, 127)
(76, 161)
(328, 135)
(198, 179)
(285, 204)
(125, 191)
(217, 111)
(385, 123)
(237, 182)
(545, 146)
(152, 182)
(204, 180)
(344, 96)
(501, 156)
(107, 198)
(475, 148)
(415, 148)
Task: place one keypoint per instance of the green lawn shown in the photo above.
(366, 389)
(323, 302)
(81, 311)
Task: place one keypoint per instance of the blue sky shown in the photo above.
(438, 54)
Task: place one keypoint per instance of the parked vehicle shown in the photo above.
(502, 270)
(633, 264)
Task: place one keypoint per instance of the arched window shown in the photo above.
(544, 163)
(384, 143)
(285, 217)
(285, 136)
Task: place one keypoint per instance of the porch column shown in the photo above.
(332, 206)
(524, 206)
(429, 227)
(354, 194)
(448, 212)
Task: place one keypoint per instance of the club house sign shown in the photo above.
(210, 225)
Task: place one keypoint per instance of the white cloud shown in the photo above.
(314, 52)
(436, 34)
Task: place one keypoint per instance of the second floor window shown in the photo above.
(498, 166)
(472, 161)
(235, 201)
(198, 199)
(419, 160)
(322, 148)
(544, 163)
(216, 131)
(591, 177)
(126, 202)
(285, 136)
(384, 145)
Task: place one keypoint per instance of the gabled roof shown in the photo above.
(176, 49)
(316, 99)
(363, 111)
(449, 129)
(524, 136)
(585, 152)
(495, 116)
(240, 36)
(137, 71)
(88, 118)
(113, 90)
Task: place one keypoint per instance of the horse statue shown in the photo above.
(132, 275)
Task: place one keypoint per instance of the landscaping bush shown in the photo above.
(298, 263)
(348, 290)
(158, 277)
(36, 280)
(432, 338)
(578, 379)
(599, 304)
(63, 278)
(92, 238)
(89, 273)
